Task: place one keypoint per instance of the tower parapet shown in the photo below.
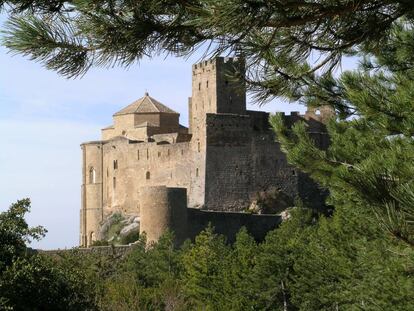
(215, 91)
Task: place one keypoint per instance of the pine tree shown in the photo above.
(370, 161)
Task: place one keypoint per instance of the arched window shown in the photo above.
(92, 175)
(147, 175)
(115, 164)
(92, 237)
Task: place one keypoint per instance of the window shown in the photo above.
(92, 176)
(147, 154)
(114, 182)
(197, 172)
(115, 164)
(199, 86)
(207, 84)
(147, 175)
(92, 237)
(293, 173)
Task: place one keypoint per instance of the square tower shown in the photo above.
(216, 90)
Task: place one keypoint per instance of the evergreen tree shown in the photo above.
(276, 37)
(370, 162)
(31, 281)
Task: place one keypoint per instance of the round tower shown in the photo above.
(161, 209)
(91, 213)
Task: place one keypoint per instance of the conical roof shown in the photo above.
(146, 104)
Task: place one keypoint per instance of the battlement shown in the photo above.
(211, 63)
(315, 117)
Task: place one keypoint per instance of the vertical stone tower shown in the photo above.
(91, 213)
(163, 208)
(213, 92)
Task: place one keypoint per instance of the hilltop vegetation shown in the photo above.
(311, 262)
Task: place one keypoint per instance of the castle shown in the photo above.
(226, 156)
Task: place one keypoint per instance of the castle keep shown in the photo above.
(226, 156)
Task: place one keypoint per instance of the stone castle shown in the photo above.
(226, 156)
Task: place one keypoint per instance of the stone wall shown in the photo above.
(143, 164)
(243, 159)
(117, 251)
(230, 223)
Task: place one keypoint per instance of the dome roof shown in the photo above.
(146, 104)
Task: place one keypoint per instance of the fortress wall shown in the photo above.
(228, 162)
(229, 224)
(242, 161)
(117, 251)
(270, 168)
(143, 164)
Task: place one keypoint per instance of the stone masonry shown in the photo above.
(226, 156)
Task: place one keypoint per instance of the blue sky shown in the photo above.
(45, 117)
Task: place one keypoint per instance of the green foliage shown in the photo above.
(290, 47)
(370, 159)
(15, 232)
(204, 267)
(147, 280)
(129, 238)
(100, 243)
(344, 262)
(35, 283)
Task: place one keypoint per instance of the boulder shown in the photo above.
(131, 228)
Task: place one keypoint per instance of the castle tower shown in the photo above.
(91, 210)
(214, 91)
(163, 208)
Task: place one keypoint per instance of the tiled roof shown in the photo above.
(146, 104)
